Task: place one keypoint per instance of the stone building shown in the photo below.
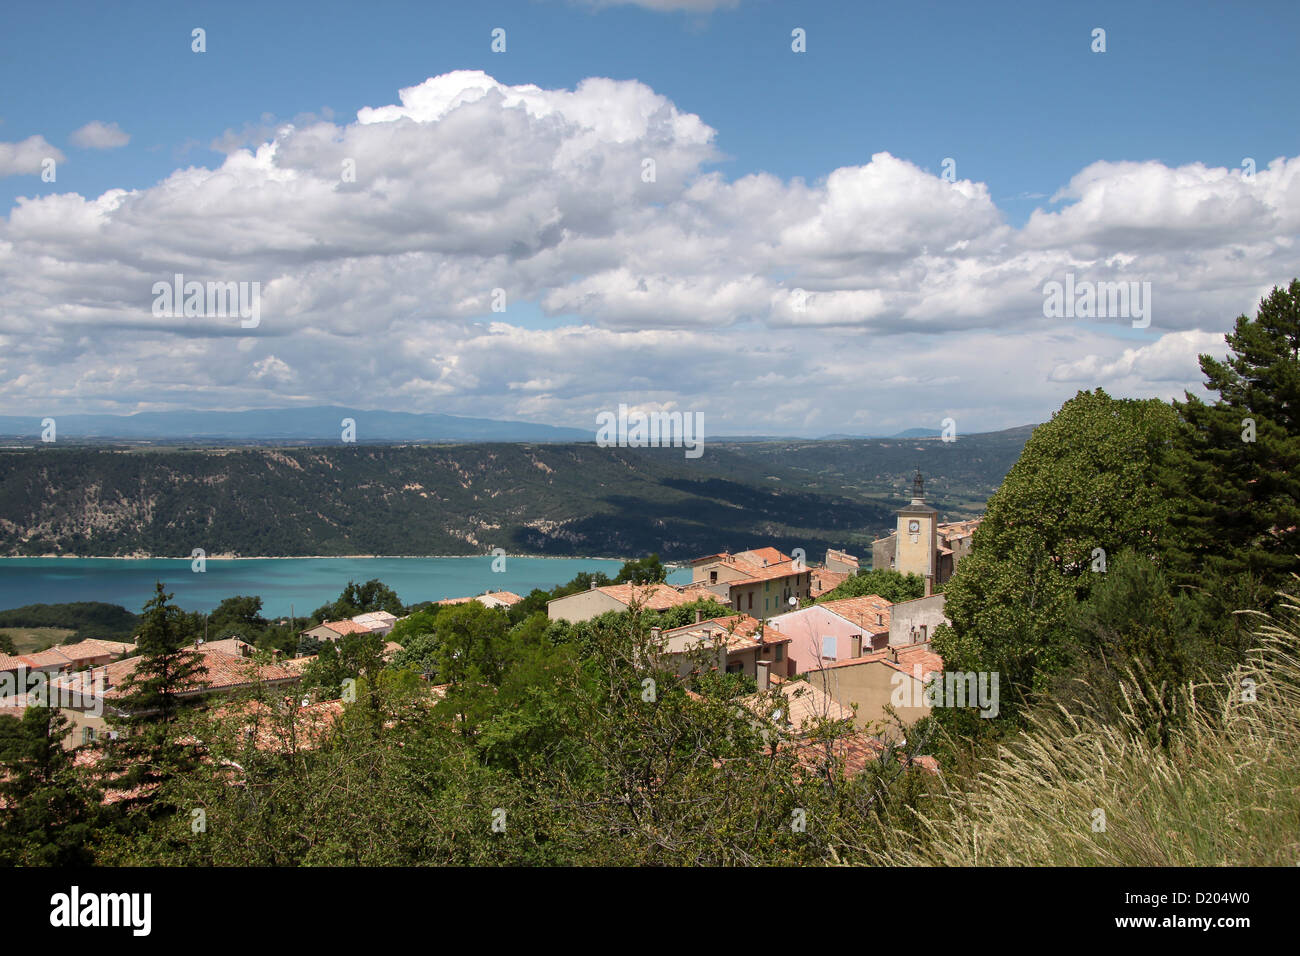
(923, 545)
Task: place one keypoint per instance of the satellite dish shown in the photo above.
(794, 601)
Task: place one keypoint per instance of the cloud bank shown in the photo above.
(629, 269)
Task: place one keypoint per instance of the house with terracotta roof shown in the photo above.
(596, 601)
(840, 562)
(760, 582)
(835, 630)
(51, 661)
(88, 698)
(875, 681)
(819, 731)
(735, 644)
(333, 630)
(487, 599)
(824, 579)
(93, 652)
(376, 622)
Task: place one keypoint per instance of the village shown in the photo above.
(862, 664)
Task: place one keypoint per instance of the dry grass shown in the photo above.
(1225, 792)
(29, 640)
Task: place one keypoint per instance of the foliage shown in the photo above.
(422, 500)
(1080, 494)
(48, 812)
(86, 618)
(891, 585)
(1079, 790)
(1235, 472)
(167, 672)
(356, 599)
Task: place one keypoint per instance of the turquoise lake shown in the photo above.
(304, 583)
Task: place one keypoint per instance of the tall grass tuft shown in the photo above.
(1225, 791)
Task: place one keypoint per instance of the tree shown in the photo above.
(891, 585)
(47, 812)
(356, 599)
(239, 615)
(1080, 493)
(166, 674)
(1134, 645)
(649, 570)
(351, 656)
(1235, 471)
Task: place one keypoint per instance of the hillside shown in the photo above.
(467, 499)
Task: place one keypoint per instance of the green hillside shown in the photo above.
(466, 499)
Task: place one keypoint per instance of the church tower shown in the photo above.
(917, 541)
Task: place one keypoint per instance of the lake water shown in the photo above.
(304, 583)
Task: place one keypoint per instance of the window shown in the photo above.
(87, 735)
(828, 646)
(751, 600)
(713, 577)
(780, 653)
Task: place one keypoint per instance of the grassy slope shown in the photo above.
(1225, 793)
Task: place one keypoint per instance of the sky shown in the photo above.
(658, 203)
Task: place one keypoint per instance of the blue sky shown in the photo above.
(1011, 91)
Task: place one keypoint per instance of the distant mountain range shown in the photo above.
(320, 423)
(324, 424)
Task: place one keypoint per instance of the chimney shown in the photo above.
(893, 654)
(762, 669)
(654, 634)
(929, 584)
(593, 585)
(855, 642)
(699, 615)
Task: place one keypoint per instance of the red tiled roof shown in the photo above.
(863, 611)
(346, 627)
(655, 597)
(223, 672)
(94, 647)
(740, 632)
(824, 580)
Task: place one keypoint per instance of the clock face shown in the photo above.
(913, 527)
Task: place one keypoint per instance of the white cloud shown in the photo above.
(378, 244)
(27, 156)
(99, 135)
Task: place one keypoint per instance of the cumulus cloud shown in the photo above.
(99, 135)
(27, 156)
(384, 250)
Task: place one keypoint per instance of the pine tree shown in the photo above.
(146, 712)
(47, 811)
(1233, 475)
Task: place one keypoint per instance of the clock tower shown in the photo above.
(917, 541)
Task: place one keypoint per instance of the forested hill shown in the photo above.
(575, 499)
